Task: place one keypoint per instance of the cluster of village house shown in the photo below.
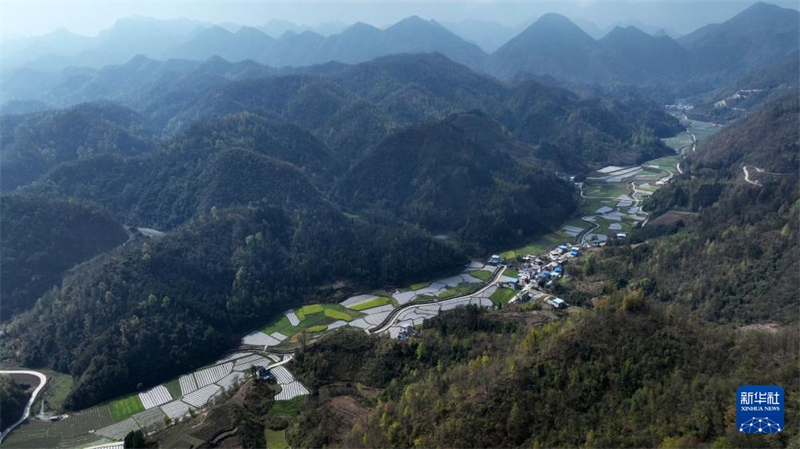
(538, 272)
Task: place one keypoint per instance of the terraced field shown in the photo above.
(72, 431)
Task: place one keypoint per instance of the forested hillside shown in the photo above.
(150, 312)
(617, 376)
(34, 143)
(353, 107)
(235, 160)
(730, 252)
(459, 176)
(42, 239)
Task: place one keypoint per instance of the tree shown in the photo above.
(136, 440)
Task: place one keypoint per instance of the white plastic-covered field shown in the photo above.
(572, 230)
(337, 324)
(434, 289)
(149, 418)
(231, 380)
(292, 318)
(360, 323)
(282, 375)
(234, 356)
(356, 300)
(175, 409)
(453, 281)
(258, 338)
(210, 375)
(200, 397)
(155, 397)
(379, 309)
(119, 430)
(188, 384)
(290, 391)
(377, 318)
(404, 297)
(274, 357)
(249, 362)
(278, 336)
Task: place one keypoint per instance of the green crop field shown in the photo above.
(677, 142)
(288, 408)
(481, 274)
(502, 296)
(377, 302)
(309, 310)
(174, 388)
(125, 408)
(317, 328)
(276, 439)
(282, 325)
(460, 290)
(56, 390)
(511, 273)
(420, 285)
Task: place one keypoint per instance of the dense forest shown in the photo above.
(193, 292)
(620, 375)
(34, 143)
(42, 239)
(459, 176)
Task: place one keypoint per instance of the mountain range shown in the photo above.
(551, 45)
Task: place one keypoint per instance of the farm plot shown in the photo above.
(282, 375)
(175, 409)
(155, 397)
(404, 297)
(119, 430)
(201, 397)
(72, 431)
(210, 375)
(336, 325)
(249, 362)
(258, 338)
(355, 301)
(502, 296)
(231, 380)
(376, 301)
(292, 317)
(291, 391)
(125, 407)
(150, 418)
(188, 384)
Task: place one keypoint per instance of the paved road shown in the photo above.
(392, 320)
(27, 411)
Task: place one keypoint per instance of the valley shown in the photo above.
(610, 206)
(394, 230)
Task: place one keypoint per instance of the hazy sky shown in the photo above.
(28, 17)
